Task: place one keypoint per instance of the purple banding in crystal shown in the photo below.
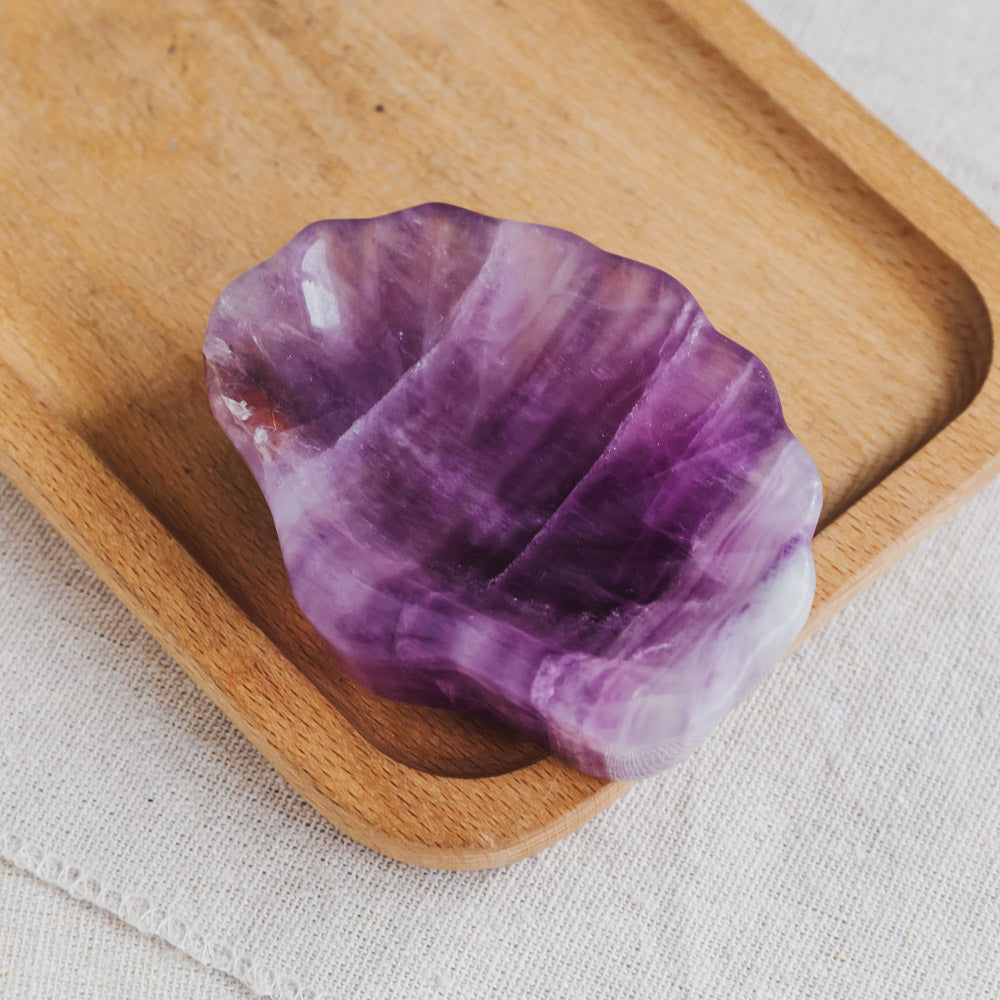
(513, 474)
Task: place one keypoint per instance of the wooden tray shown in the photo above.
(151, 153)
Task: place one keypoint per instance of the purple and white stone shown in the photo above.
(514, 474)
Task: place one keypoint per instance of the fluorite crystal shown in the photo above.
(513, 474)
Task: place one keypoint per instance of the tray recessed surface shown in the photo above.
(152, 157)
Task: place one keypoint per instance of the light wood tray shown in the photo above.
(151, 153)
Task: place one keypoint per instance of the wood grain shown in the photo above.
(150, 155)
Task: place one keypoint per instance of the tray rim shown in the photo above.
(491, 822)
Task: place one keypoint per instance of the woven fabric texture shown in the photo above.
(839, 836)
(68, 949)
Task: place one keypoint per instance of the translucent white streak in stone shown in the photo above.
(318, 290)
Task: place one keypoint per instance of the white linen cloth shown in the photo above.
(839, 836)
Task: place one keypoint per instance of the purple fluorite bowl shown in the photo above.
(514, 474)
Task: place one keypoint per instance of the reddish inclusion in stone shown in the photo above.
(517, 475)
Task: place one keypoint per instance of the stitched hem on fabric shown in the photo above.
(148, 918)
